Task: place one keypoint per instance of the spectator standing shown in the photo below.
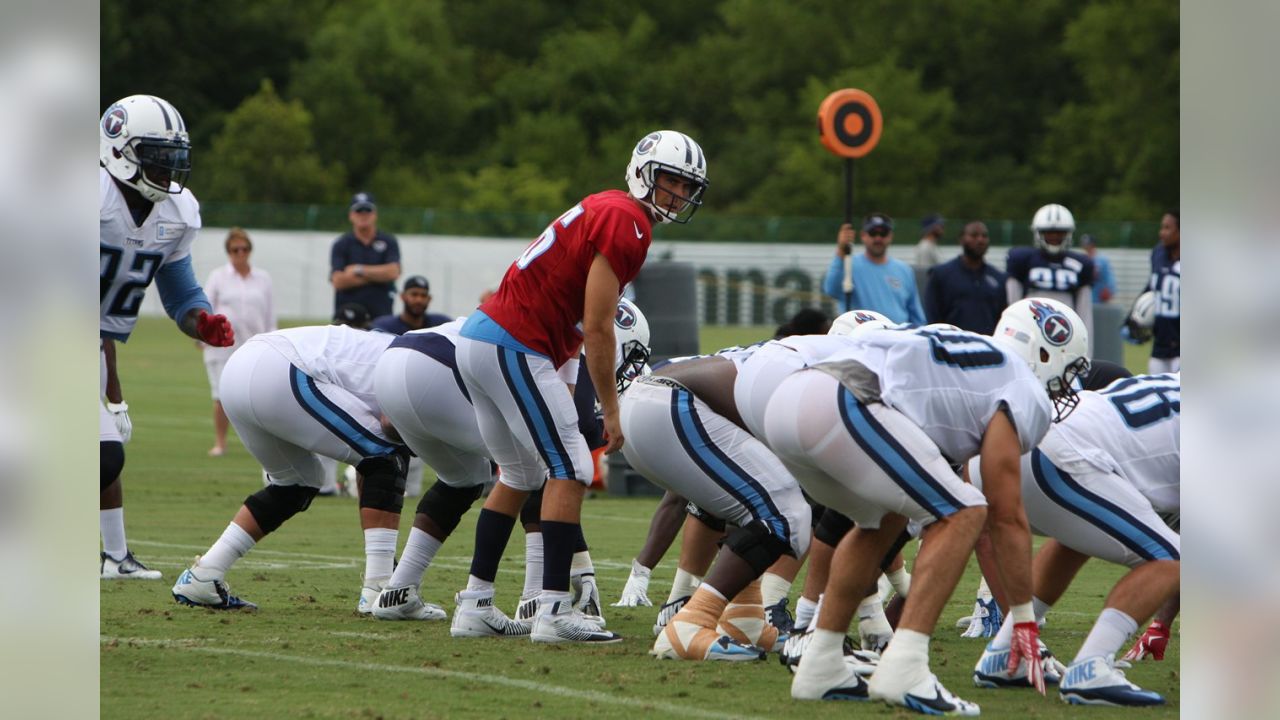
(967, 291)
(1104, 279)
(932, 228)
(880, 282)
(243, 294)
(416, 298)
(365, 262)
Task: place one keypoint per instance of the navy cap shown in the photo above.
(931, 221)
(417, 281)
(877, 220)
(362, 201)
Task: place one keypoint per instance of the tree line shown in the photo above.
(991, 107)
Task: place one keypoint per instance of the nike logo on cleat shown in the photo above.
(398, 597)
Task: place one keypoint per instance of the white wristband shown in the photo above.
(1024, 613)
(116, 408)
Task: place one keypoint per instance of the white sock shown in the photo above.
(111, 524)
(773, 588)
(828, 643)
(418, 553)
(475, 584)
(1004, 637)
(900, 579)
(713, 591)
(379, 553)
(806, 611)
(1108, 635)
(581, 564)
(684, 585)
(1041, 608)
(639, 570)
(532, 564)
(230, 547)
(906, 646)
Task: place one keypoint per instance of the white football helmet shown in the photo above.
(1053, 217)
(143, 143)
(673, 153)
(631, 330)
(847, 323)
(1143, 313)
(1053, 341)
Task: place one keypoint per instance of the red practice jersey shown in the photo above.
(541, 297)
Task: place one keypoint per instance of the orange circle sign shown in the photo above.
(849, 123)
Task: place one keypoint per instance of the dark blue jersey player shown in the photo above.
(1050, 269)
(1166, 283)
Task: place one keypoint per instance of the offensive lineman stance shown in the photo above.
(518, 352)
(148, 220)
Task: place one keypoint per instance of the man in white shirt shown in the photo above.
(243, 294)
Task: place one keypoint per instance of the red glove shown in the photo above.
(1026, 648)
(1151, 645)
(215, 330)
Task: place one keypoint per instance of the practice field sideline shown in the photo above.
(307, 654)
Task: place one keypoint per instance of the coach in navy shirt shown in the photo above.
(365, 262)
(416, 297)
(967, 292)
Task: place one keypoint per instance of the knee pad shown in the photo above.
(832, 527)
(384, 481)
(756, 545)
(705, 517)
(531, 512)
(274, 504)
(446, 505)
(110, 463)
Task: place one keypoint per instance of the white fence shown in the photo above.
(740, 283)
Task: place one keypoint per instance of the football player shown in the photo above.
(518, 352)
(1051, 269)
(293, 395)
(147, 222)
(1166, 283)
(871, 430)
(1098, 484)
(418, 387)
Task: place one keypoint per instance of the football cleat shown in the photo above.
(722, 648)
(846, 683)
(985, 621)
(528, 607)
(214, 594)
(992, 670)
(127, 568)
(636, 592)
(780, 617)
(404, 603)
(927, 697)
(668, 611)
(864, 662)
(475, 616)
(558, 623)
(369, 595)
(1096, 681)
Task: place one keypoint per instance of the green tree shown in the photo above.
(265, 154)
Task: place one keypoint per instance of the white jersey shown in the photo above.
(335, 354)
(451, 330)
(1130, 428)
(736, 354)
(950, 384)
(132, 254)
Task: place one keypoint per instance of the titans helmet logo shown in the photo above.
(1055, 326)
(625, 318)
(113, 121)
(645, 146)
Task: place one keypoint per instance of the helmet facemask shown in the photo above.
(163, 166)
(1062, 389)
(651, 173)
(635, 358)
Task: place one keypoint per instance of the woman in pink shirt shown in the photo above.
(243, 294)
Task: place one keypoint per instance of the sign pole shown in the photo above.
(849, 125)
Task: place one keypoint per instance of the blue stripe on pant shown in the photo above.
(723, 470)
(334, 418)
(894, 459)
(537, 416)
(1098, 511)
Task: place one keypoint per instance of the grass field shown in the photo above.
(307, 654)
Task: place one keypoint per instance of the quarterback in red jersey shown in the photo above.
(517, 357)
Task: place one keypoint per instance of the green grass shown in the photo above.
(306, 654)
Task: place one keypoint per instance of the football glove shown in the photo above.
(215, 330)
(120, 414)
(1133, 333)
(1026, 648)
(1152, 644)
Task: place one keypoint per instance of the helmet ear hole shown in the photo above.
(1044, 355)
